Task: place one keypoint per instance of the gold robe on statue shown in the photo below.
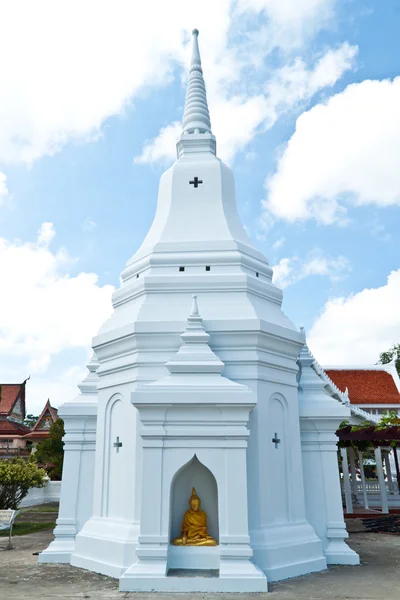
(194, 530)
(194, 526)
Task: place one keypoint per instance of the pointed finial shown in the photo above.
(195, 63)
(195, 307)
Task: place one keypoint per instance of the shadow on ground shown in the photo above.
(22, 577)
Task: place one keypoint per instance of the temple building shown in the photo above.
(12, 415)
(17, 438)
(40, 430)
(374, 388)
(203, 438)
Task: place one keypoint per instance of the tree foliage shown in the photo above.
(30, 420)
(50, 452)
(17, 476)
(387, 419)
(389, 355)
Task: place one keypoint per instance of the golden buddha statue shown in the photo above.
(194, 526)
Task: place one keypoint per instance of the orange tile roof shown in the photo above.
(12, 428)
(366, 386)
(8, 396)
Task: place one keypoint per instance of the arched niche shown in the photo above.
(194, 474)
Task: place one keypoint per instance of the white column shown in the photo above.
(324, 507)
(396, 463)
(353, 473)
(386, 458)
(77, 480)
(320, 417)
(346, 481)
(365, 493)
(381, 479)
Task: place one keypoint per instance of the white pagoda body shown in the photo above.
(209, 401)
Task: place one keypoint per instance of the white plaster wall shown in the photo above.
(276, 469)
(276, 493)
(50, 493)
(84, 505)
(114, 490)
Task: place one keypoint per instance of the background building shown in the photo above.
(17, 438)
(374, 388)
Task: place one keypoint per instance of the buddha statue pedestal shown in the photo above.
(193, 557)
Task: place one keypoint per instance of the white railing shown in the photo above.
(372, 487)
(49, 493)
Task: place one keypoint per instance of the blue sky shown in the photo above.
(304, 102)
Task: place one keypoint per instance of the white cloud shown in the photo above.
(342, 152)
(295, 82)
(279, 243)
(70, 65)
(59, 388)
(356, 328)
(292, 20)
(161, 148)
(290, 85)
(3, 187)
(290, 270)
(46, 234)
(44, 310)
(89, 225)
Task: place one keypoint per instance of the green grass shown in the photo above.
(44, 508)
(25, 528)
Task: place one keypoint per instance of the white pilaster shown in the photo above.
(362, 473)
(79, 416)
(346, 481)
(386, 458)
(320, 416)
(353, 474)
(381, 479)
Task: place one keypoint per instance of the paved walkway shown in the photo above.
(377, 579)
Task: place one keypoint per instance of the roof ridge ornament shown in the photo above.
(89, 384)
(195, 307)
(195, 354)
(196, 133)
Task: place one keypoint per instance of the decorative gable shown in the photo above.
(46, 422)
(16, 413)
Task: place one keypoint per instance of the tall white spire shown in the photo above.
(196, 116)
(196, 124)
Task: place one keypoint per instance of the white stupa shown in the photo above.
(211, 402)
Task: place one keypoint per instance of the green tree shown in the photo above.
(17, 476)
(389, 355)
(30, 420)
(50, 452)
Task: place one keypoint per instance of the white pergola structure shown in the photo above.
(360, 493)
(382, 494)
